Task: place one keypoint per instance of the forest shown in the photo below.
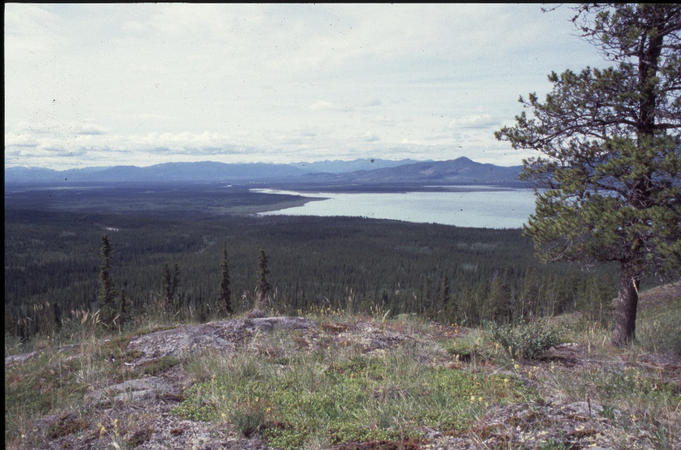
(449, 274)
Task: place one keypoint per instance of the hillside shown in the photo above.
(458, 171)
(361, 171)
(337, 380)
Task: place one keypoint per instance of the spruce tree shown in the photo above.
(445, 291)
(166, 288)
(106, 299)
(123, 308)
(175, 283)
(264, 286)
(611, 151)
(225, 293)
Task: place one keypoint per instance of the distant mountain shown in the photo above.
(458, 171)
(205, 171)
(338, 166)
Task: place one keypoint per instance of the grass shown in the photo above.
(302, 390)
(653, 323)
(639, 397)
(55, 383)
(339, 395)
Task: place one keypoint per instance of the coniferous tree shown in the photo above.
(167, 287)
(264, 287)
(107, 293)
(445, 291)
(612, 151)
(124, 308)
(56, 310)
(225, 293)
(175, 283)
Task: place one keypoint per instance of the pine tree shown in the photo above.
(107, 293)
(225, 293)
(611, 149)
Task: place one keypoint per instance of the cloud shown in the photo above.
(370, 137)
(322, 105)
(475, 121)
(142, 82)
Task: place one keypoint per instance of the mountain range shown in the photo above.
(361, 171)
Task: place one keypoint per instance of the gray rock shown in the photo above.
(148, 388)
(223, 336)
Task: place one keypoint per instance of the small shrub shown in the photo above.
(249, 419)
(140, 437)
(67, 424)
(463, 350)
(524, 341)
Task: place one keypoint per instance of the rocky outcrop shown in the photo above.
(223, 336)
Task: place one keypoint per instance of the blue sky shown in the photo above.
(110, 84)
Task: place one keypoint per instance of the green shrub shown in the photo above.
(249, 419)
(526, 340)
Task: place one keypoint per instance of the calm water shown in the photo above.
(483, 207)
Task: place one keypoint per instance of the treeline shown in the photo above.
(172, 269)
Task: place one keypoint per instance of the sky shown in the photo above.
(144, 83)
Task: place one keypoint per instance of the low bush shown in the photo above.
(524, 340)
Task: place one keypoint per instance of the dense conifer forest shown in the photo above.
(168, 264)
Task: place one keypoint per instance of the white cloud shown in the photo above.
(143, 82)
(474, 121)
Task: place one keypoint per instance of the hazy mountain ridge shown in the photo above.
(338, 166)
(459, 171)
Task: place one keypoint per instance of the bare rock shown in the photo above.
(223, 336)
(20, 358)
(148, 388)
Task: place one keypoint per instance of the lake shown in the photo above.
(467, 206)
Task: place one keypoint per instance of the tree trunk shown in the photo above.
(625, 311)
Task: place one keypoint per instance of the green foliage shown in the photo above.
(659, 327)
(157, 366)
(335, 399)
(524, 341)
(225, 292)
(249, 418)
(37, 387)
(263, 289)
(611, 151)
(316, 263)
(107, 293)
